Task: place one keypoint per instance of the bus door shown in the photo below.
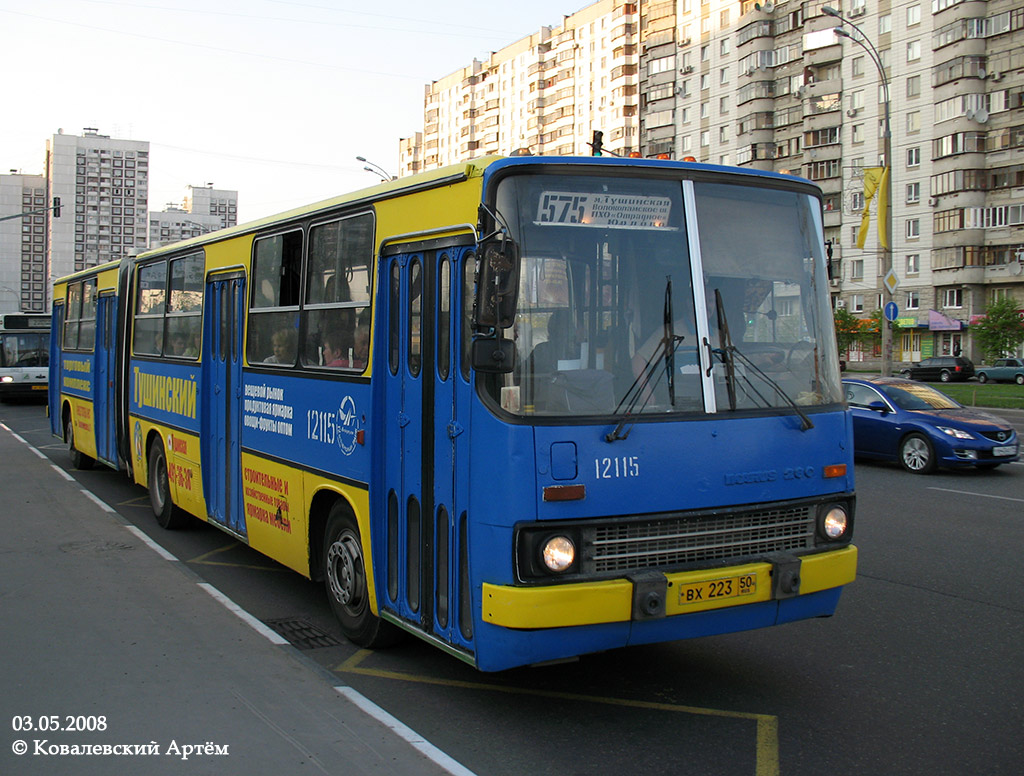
(222, 400)
(423, 428)
(103, 400)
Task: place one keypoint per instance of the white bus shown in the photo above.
(24, 354)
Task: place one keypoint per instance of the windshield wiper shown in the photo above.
(665, 350)
(730, 353)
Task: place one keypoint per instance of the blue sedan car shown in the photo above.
(901, 420)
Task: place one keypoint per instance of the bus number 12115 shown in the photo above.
(613, 468)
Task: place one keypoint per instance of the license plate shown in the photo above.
(1005, 450)
(715, 589)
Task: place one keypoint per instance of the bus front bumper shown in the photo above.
(653, 595)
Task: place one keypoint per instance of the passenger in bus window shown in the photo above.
(337, 353)
(181, 346)
(361, 347)
(284, 342)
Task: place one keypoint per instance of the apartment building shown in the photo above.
(543, 94)
(202, 210)
(23, 272)
(103, 184)
(208, 201)
(770, 85)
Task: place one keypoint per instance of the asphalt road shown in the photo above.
(919, 672)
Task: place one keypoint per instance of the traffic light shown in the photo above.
(596, 142)
(56, 207)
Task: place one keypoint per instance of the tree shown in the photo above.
(847, 329)
(1001, 331)
(871, 331)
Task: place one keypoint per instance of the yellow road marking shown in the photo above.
(141, 501)
(767, 758)
(202, 560)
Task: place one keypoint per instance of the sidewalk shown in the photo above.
(102, 633)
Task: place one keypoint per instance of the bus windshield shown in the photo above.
(24, 349)
(647, 296)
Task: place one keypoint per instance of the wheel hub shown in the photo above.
(344, 571)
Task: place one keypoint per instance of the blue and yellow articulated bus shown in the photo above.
(523, 408)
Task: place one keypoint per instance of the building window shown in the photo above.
(913, 263)
(913, 228)
(913, 193)
(914, 157)
(857, 269)
(857, 303)
(913, 50)
(913, 300)
(913, 15)
(913, 121)
(914, 86)
(952, 298)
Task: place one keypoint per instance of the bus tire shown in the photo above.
(345, 579)
(79, 460)
(167, 515)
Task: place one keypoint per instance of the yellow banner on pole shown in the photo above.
(876, 181)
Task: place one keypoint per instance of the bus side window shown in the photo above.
(87, 327)
(185, 306)
(276, 270)
(150, 303)
(74, 313)
(336, 307)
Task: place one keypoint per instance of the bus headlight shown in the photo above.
(6, 379)
(558, 554)
(833, 523)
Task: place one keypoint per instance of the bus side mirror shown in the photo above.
(498, 285)
(493, 355)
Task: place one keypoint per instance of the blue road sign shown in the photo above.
(892, 312)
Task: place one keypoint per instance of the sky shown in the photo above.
(269, 97)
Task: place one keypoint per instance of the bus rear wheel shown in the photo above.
(345, 577)
(167, 515)
(79, 460)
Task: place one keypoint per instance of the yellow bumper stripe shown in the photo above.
(593, 603)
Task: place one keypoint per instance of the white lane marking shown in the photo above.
(98, 501)
(150, 543)
(271, 635)
(414, 739)
(980, 495)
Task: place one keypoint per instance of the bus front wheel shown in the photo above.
(167, 515)
(79, 460)
(345, 577)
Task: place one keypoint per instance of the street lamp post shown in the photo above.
(375, 168)
(865, 43)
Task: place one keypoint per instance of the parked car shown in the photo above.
(1003, 370)
(922, 428)
(943, 368)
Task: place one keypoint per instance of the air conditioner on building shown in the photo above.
(840, 304)
(859, 11)
(686, 70)
(685, 41)
(852, 112)
(834, 282)
(933, 202)
(996, 76)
